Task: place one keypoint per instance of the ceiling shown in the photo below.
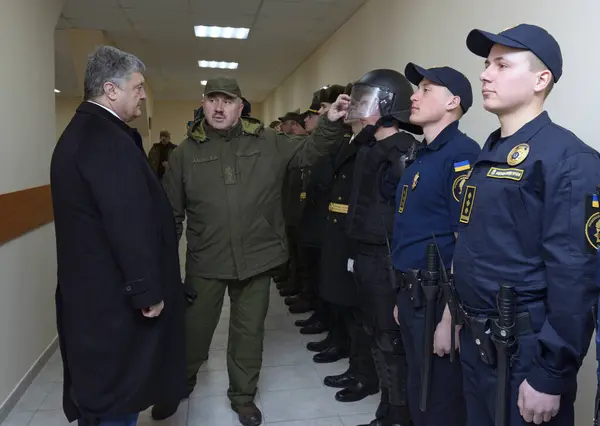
(283, 33)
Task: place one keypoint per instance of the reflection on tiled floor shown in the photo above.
(291, 392)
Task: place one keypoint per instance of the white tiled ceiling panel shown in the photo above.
(283, 33)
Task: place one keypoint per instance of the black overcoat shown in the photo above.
(117, 254)
(337, 284)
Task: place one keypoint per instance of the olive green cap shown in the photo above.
(227, 86)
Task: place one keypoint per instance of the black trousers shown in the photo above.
(293, 281)
(361, 360)
(378, 299)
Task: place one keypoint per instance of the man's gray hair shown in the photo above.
(108, 64)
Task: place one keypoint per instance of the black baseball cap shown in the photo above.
(315, 105)
(453, 80)
(524, 36)
(293, 116)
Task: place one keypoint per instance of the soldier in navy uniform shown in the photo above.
(525, 223)
(428, 207)
(381, 108)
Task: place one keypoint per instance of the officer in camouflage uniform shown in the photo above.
(226, 178)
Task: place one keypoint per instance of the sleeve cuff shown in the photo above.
(542, 382)
(142, 294)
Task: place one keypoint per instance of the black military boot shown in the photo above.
(316, 328)
(341, 381)
(289, 301)
(321, 345)
(308, 321)
(301, 306)
(356, 392)
(249, 414)
(331, 354)
(380, 365)
(164, 411)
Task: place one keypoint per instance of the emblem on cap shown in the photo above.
(518, 154)
(415, 181)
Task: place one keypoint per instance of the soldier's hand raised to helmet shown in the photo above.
(339, 109)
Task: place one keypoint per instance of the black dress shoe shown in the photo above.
(344, 380)
(301, 306)
(316, 328)
(249, 414)
(356, 392)
(319, 346)
(308, 321)
(289, 292)
(289, 301)
(331, 354)
(164, 411)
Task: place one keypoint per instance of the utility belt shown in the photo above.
(410, 282)
(484, 328)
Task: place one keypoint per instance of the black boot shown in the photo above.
(358, 391)
(308, 321)
(316, 328)
(164, 411)
(341, 381)
(398, 411)
(331, 354)
(301, 306)
(382, 373)
(321, 345)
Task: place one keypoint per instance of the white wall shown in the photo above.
(28, 264)
(390, 33)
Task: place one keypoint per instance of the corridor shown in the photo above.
(291, 390)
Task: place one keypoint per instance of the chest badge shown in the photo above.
(415, 181)
(518, 154)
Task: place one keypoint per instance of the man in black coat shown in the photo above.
(119, 296)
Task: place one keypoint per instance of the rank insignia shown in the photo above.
(518, 154)
(467, 204)
(415, 181)
(592, 223)
(403, 199)
(457, 186)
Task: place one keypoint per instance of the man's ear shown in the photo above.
(110, 90)
(544, 79)
(453, 103)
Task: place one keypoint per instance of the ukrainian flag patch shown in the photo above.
(462, 166)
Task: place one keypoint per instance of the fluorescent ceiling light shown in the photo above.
(203, 82)
(217, 64)
(56, 91)
(221, 32)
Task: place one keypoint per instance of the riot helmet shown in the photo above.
(385, 93)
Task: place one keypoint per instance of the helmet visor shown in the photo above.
(364, 102)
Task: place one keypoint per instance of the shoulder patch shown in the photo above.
(592, 223)
(458, 185)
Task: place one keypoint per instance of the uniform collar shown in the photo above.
(227, 134)
(446, 135)
(524, 133)
(498, 150)
(401, 139)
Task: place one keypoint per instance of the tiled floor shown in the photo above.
(291, 392)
